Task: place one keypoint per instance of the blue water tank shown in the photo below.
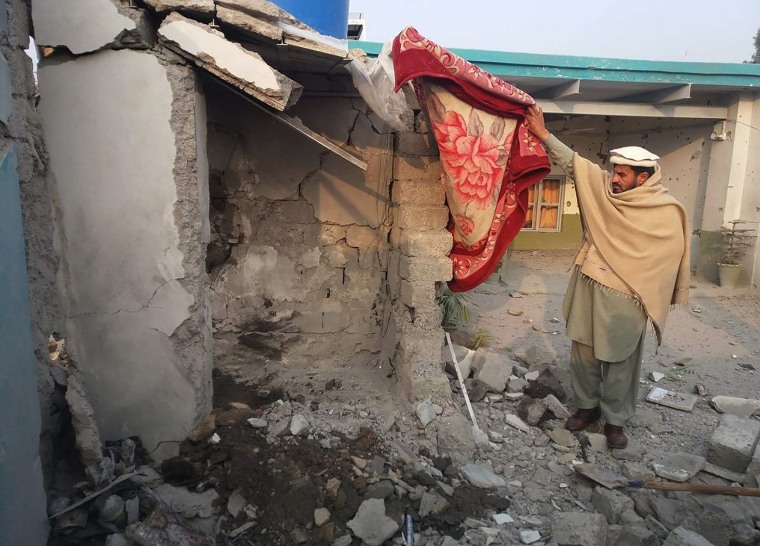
(328, 17)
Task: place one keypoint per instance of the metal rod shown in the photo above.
(461, 382)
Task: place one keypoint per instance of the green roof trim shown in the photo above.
(535, 65)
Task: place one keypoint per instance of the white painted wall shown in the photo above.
(112, 150)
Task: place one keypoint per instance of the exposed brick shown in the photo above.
(424, 243)
(417, 294)
(418, 192)
(416, 168)
(422, 218)
(362, 236)
(412, 144)
(733, 442)
(426, 268)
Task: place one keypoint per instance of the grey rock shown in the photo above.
(669, 512)
(345, 540)
(579, 529)
(494, 371)
(545, 384)
(454, 437)
(714, 525)
(678, 467)
(516, 422)
(321, 516)
(610, 503)
(431, 503)
(371, 524)
(684, 537)
(724, 473)
(733, 442)
(378, 465)
(279, 428)
(745, 535)
(656, 527)
(426, 412)
(519, 371)
(132, 506)
(299, 536)
(637, 471)
(516, 385)
(529, 536)
(556, 407)
(116, 540)
(379, 490)
(476, 390)
(536, 357)
(563, 437)
(187, 503)
(532, 411)
(112, 509)
(256, 422)
(631, 453)
(598, 442)
(299, 425)
(630, 517)
(644, 417)
(236, 503)
(636, 535)
(480, 476)
(741, 407)
(448, 541)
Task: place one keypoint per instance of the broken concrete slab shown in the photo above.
(683, 537)
(204, 8)
(426, 412)
(637, 471)
(678, 467)
(371, 524)
(532, 411)
(454, 435)
(87, 436)
(579, 529)
(71, 25)
(249, 24)
(516, 422)
(610, 503)
(724, 473)
(733, 442)
(741, 407)
(672, 399)
(480, 476)
(494, 370)
(185, 502)
(556, 407)
(545, 384)
(228, 61)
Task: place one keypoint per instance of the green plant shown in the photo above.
(481, 338)
(735, 242)
(455, 307)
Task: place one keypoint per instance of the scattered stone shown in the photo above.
(481, 438)
(432, 503)
(636, 535)
(637, 471)
(563, 437)
(678, 467)
(454, 437)
(215, 439)
(516, 385)
(279, 428)
(242, 529)
(476, 390)
(321, 516)
(480, 476)
(299, 536)
(494, 371)
(255, 422)
(203, 430)
(544, 385)
(556, 407)
(503, 519)
(379, 490)
(610, 503)
(532, 376)
(733, 442)
(724, 473)
(359, 463)
(332, 486)
(701, 390)
(598, 442)
(187, 503)
(672, 399)
(684, 537)
(87, 437)
(112, 509)
(643, 417)
(370, 523)
(166, 527)
(116, 540)
(426, 412)
(741, 407)
(631, 453)
(132, 506)
(532, 411)
(513, 396)
(529, 536)
(579, 529)
(345, 540)
(630, 517)
(656, 376)
(299, 425)
(236, 503)
(516, 422)
(519, 371)
(377, 466)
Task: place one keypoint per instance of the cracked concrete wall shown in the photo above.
(299, 249)
(125, 133)
(24, 276)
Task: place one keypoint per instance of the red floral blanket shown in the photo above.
(488, 157)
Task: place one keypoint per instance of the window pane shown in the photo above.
(548, 217)
(550, 191)
(528, 224)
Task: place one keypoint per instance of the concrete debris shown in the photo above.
(203, 8)
(494, 370)
(255, 422)
(516, 385)
(215, 439)
(563, 437)
(480, 476)
(656, 376)
(636, 535)
(741, 407)
(678, 467)
(454, 437)
(166, 528)
(232, 63)
(370, 523)
(684, 537)
(249, 24)
(532, 376)
(579, 529)
(431, 503)
(516, 422)
(532, 411)
(637, 471)
(610, 503)
(425, 412)
(87, 437)
(672, 399)
(187, 503)
(557, 408)
(321, 516)
(733, 442)
(545, 384)
(299, 425)
(503, 519)
(726, 474)
(236, 503)
(529, 536)
(597, 441)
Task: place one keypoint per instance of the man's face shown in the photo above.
(624, 178)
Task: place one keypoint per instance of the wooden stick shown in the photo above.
(698, 487)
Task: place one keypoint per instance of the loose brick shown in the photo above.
(426, 269)
(418, 192)
(417, 294)
(422, 218)
(424, 243)
(416, 168)
(733, 442)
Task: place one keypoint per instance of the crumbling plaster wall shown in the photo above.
(23, 518)
(133, 227)
(299, 249)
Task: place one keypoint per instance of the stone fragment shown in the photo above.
(636, 535)
(532, 411)
(516, 385)
(516, 422)
(733, 442)
(371, 524)
(532, 376)
(671, 399)
(187, 503)
(563, 437)
(598, 442)
(556, 407)
(299, 425)
(192, 7)
(299, 536)
(256, 422)
(86, 435)
(678, 467)
(684, 537)
(167, 528)
(631, 453)
(724, 473)
(425, 412)
(378, 465)
(236, 503)
(545, 384)
(741, 407)
(321, 516)
(503, 519)
(432, 503)
(579, 529)
(529, 536)
(332, 486)
(643, 417)
(480, 476)
(494, 370)
(637, 471)
(112, 509)
(379, 490)
(454, 435)
(656, 376)
(116, 540)
(610, 503)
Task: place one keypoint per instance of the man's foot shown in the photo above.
(615, 437)
(582, 419)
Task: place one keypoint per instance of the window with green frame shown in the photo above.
(545, 205)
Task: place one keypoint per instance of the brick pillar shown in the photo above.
(420, 245)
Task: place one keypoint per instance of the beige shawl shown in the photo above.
(641, 234)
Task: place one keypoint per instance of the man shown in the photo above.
(633, 264)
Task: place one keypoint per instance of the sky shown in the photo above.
(659, 30)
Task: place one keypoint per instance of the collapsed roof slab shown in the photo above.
(228, 61)
(204, 8)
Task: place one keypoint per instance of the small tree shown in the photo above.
(736, 242)
(756, 56)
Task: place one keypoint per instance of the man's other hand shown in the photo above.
(535, 119)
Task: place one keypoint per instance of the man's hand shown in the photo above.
(535, 119)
